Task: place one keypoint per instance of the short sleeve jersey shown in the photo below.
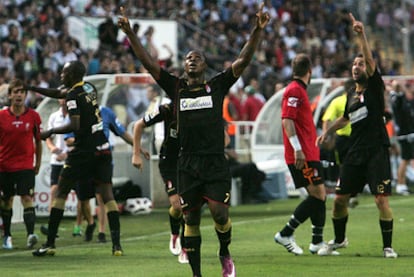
(111, 122)
(81, 100)
(366, 113)
(169, 148)
(296, 106)
(199, 111)
(17, 136)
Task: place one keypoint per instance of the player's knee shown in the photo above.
(59, 203)
(382, 202)
(111, 206)
(192, 219)
(175, 202)
(7, 203)
(340, 206)
(27, 202)
(174, 212)
(220, 218)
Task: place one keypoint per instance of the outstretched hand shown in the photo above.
(262, 17)
(357, 26)
(123, 22)
(45, 134)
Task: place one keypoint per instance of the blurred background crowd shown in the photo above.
(35, 42)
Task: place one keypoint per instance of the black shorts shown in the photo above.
(168, 173)
(311, 174)
(203, 178)
(370, 167)
(85, 190)
(407, 150)
(55, 170)
(17, 183)
(341, 147)
(84, 166)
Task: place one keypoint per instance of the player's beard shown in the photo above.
(362, 80)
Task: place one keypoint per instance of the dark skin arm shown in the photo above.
(59, 92)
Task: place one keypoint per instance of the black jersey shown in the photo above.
(169, 147)
(199, 111)
(82, 100)
(366, 113)
(403, 112)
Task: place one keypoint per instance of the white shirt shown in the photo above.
(57, 119)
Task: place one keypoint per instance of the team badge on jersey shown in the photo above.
(292, 102)
(71, 104)
(208, 89)
(88, 88)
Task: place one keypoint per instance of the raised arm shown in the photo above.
(359, 29)
(142, 54)
(247, 52)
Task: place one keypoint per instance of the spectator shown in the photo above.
(252, 105)
(108, 34)
(20, 156)
(402, 103)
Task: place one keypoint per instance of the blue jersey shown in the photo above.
(110, 123)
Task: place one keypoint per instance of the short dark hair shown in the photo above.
(15, 83)
(301, 64)
(77, 69)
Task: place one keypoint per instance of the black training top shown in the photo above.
(81, 100)
(199, 111)
(169, 147)
(403, 111)
(366, 113)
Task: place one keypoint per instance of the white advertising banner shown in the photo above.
(42, 196)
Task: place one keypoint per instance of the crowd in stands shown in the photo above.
(35, 42)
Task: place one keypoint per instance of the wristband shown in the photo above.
(294, 141)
